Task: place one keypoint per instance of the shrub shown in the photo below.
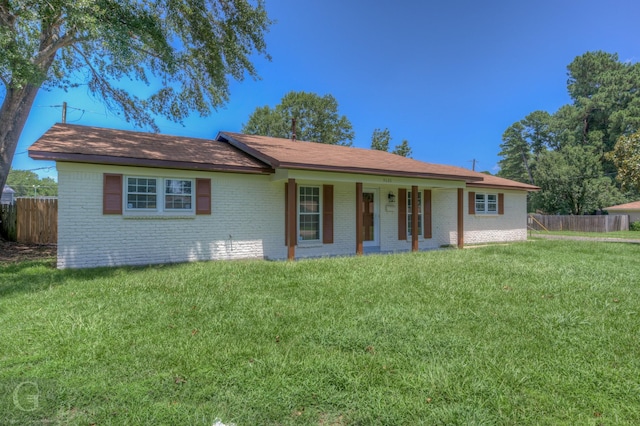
(635, 226)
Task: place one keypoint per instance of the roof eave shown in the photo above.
(373, 171)
(129, 161)
(491, 186)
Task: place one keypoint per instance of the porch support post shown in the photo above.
(460, 218)
(359, 245)
(414, 218)
(291, 219)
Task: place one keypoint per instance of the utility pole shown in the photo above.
(473, 164)
(64, 112)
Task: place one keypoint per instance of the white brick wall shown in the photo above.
(512, 226)
(247, 221)
(344, 213)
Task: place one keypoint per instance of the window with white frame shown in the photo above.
(158, 195)
(142, 194)
(410, 213)
(309, 213)
(178, 194)
(486, 203)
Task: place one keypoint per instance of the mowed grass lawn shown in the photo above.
(543, 332)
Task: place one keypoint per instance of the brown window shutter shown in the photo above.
(112, 194)
(427, 213)
(402, 213)
(203, 196)
(472, 203)
(327, 214)
(500, 203)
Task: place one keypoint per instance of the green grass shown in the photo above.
(632, 235)
(544, 332)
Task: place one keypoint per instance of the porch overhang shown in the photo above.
(366, 179)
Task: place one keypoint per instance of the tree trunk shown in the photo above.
(13, 116)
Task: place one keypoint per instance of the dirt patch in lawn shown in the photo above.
(11, 252)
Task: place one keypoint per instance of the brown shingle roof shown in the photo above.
(490, 181)
(68, 142)
(236, 152)
(285, 153)
(635, 205)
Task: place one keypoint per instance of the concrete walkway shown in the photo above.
(578, 238)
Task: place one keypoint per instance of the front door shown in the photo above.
(370, 228)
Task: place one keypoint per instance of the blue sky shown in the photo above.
(448, 76)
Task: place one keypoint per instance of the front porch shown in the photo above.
(369, 214)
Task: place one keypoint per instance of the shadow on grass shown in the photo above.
(40, 275)
(34, 276)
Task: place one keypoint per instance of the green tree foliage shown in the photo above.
(380, 140)
(317, 120)
(566, 153)
(402, 149)
(572, 182)
(193, 46)
(27, 184)
(523, 142)
(626, 157)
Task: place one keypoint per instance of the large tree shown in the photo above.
(192, 46)
(523, 142)
(557, 151)
(626, 157)
(316, 120)
(572, 182)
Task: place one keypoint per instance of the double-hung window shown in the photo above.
(178, 194)
(410, 213)
(309, 213)
(486, 203)
(142, 194)
(159, 195)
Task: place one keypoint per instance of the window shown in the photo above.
(486, 203)
(141, 193)
(409, 213)
(157, 195)
(178, 194)
(309, 213)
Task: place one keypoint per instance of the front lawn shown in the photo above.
(542, 332)
(630, 235)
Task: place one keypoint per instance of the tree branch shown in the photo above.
(94, 72)
(51, 49)
(7, 18)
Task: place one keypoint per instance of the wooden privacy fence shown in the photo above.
(604, 223)
(31, 220)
